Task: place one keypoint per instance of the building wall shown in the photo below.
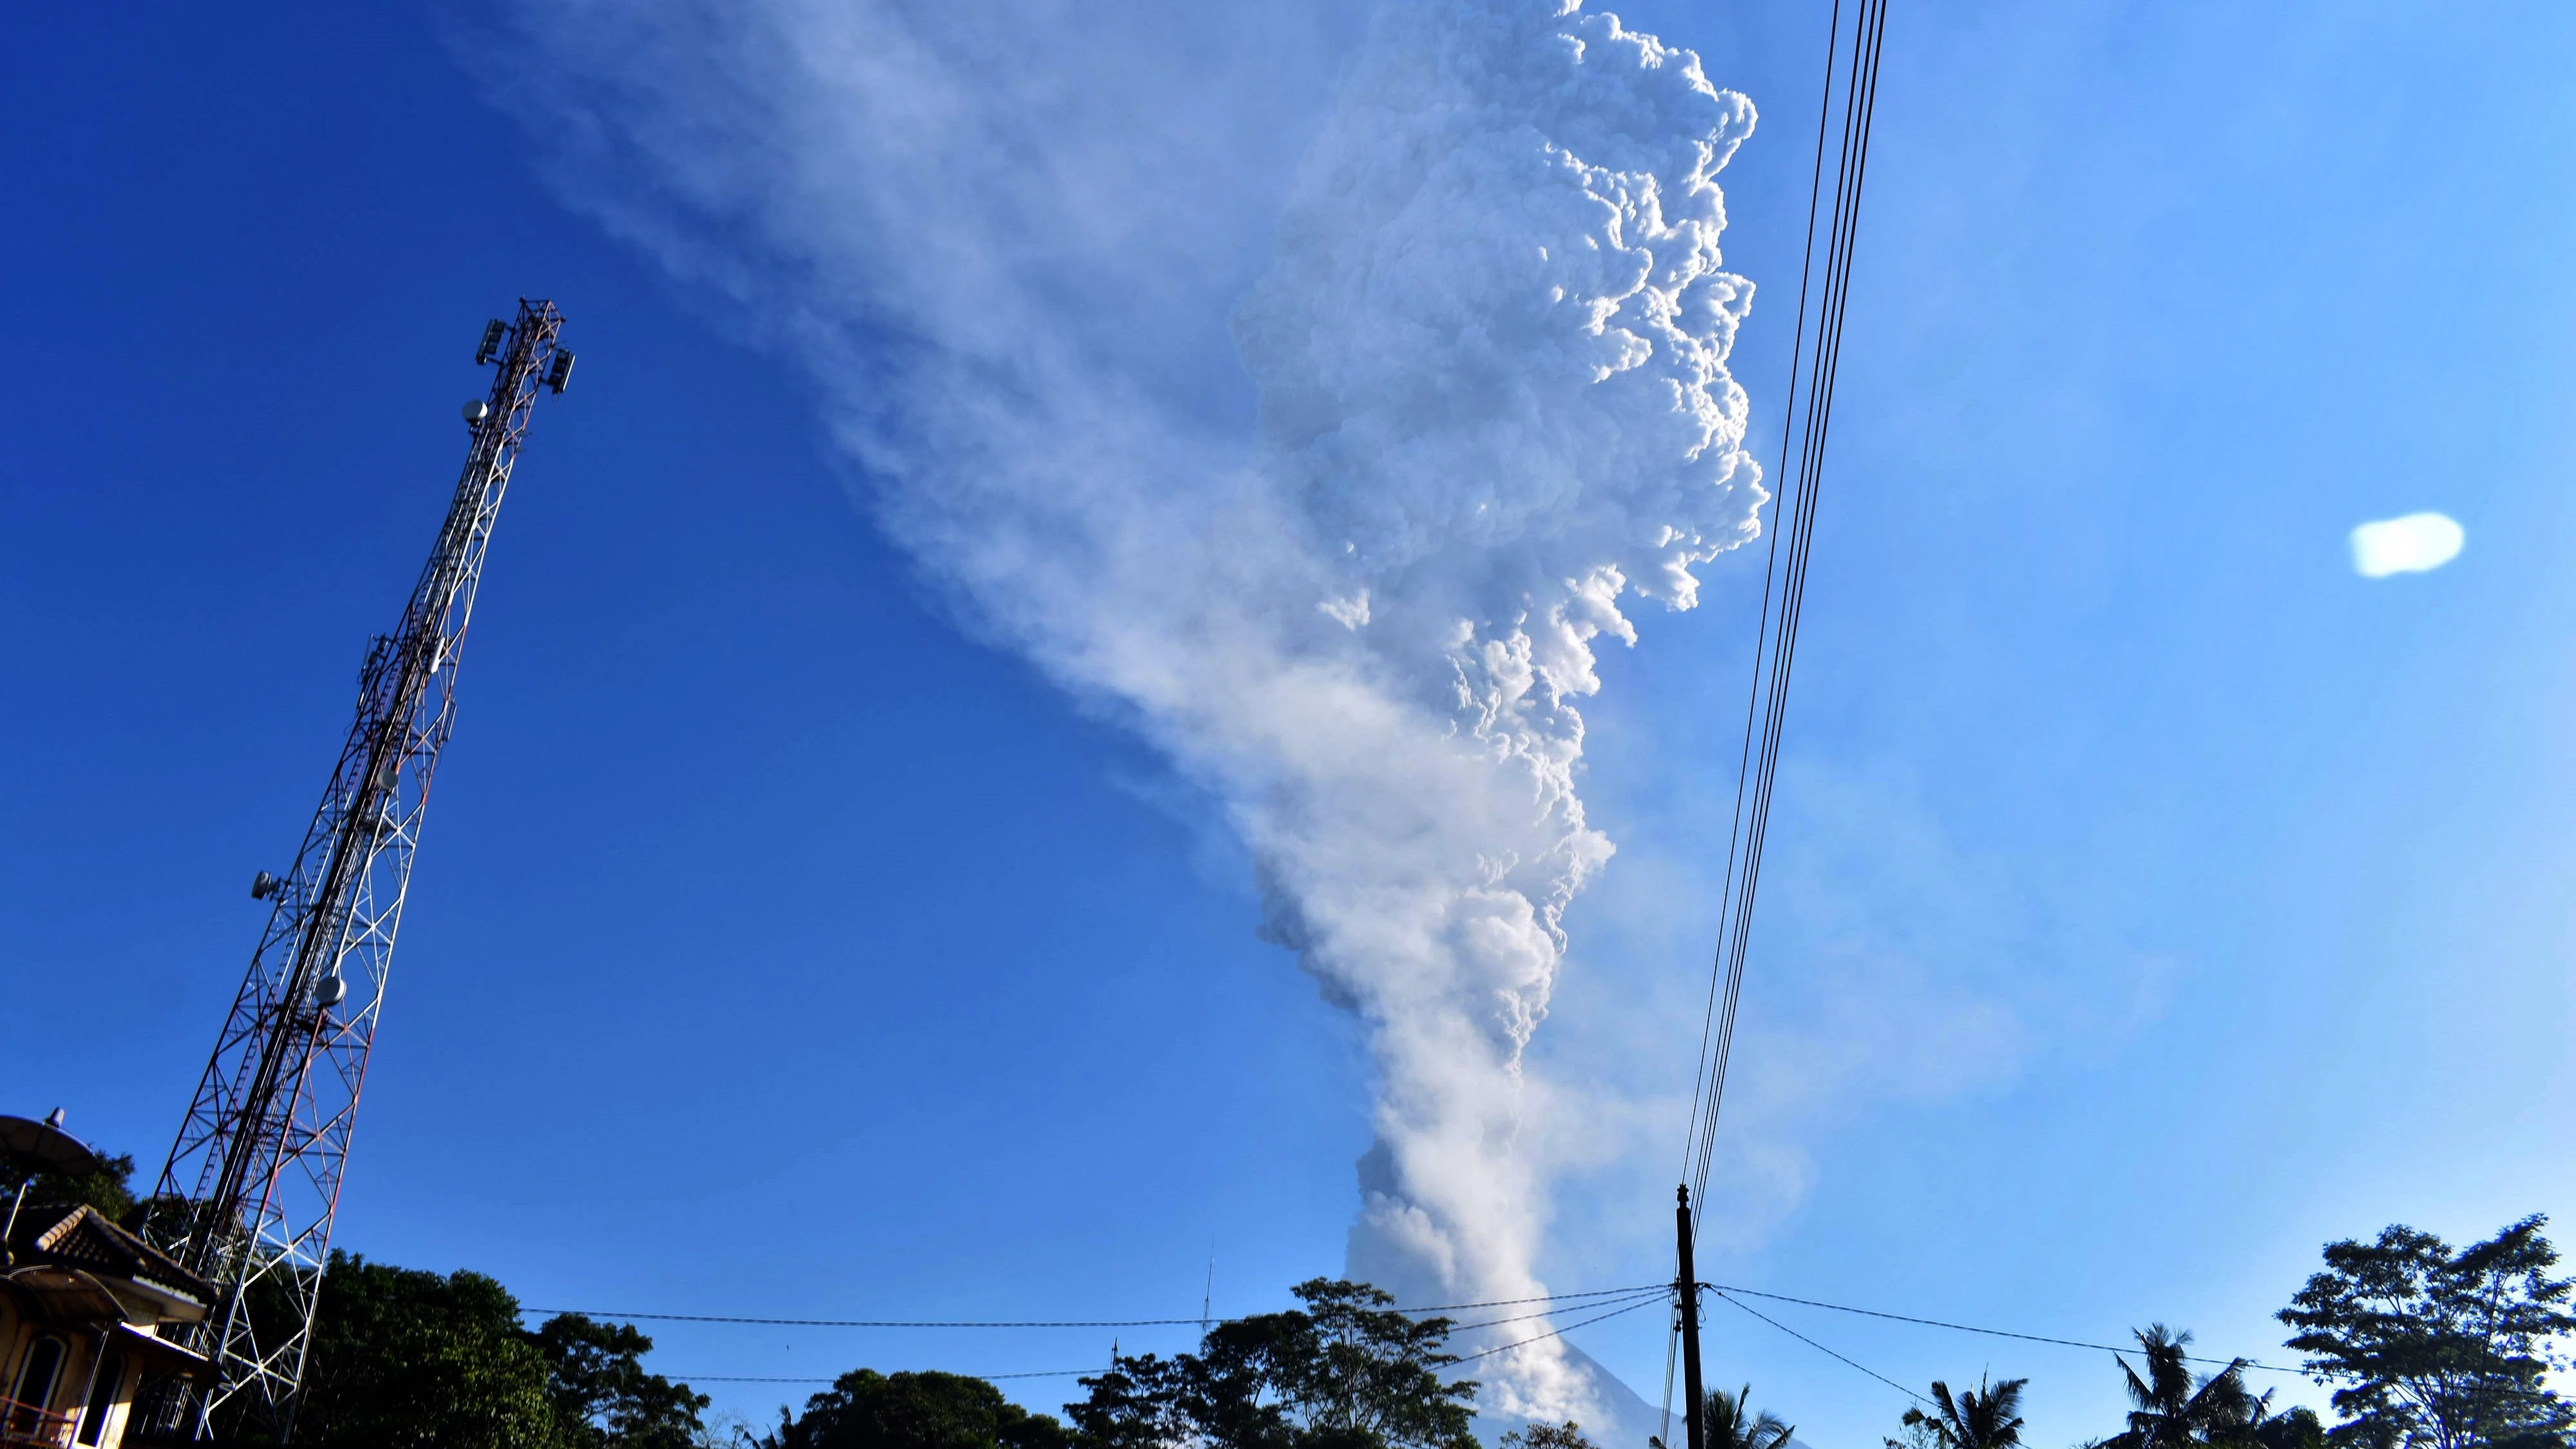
(120, 1405)
(73, 1385)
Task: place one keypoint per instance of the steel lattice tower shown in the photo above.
(258, 1161)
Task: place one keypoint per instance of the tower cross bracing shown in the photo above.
(253, 1181)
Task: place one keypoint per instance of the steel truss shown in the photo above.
(253, 1180)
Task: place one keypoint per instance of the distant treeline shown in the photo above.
(2424, 1347)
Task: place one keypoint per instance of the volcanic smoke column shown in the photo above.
(1490, 355)
(1492, 369)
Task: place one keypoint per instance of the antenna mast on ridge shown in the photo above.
(253, 1181)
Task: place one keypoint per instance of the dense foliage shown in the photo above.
(1345, 1372)
(2424, 1346)
(1568, 1435)
(865, 1409)
(401, 1357)
(404, 1358)
(2436, 1349)
(2427, 1347)
(602, 1397)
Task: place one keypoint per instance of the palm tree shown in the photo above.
(1728, 1424)
(2171, 1409)
(1985, 1417)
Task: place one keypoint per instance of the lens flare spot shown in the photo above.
(2410, 545)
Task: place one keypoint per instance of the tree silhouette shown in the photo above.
(864, 1409)
(2172, 1409)
(1731, 1424)
(2438, 1348)
(1985, 1417)
(1568, 1435)
(1346, 1372)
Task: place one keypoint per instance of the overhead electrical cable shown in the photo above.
(1762, 619)
(1577, 1299)
(1820, 1348)
(1071, 1373)
(1989, 1332)
(1749, 825)
(1860, 96)
(1657, 1294)
(1541, 1298)
(1555, 1332)
(1672, 1339)
(1611, 1298)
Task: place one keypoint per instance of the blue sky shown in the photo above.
(2150, 898)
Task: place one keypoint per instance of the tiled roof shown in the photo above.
(82, 1238)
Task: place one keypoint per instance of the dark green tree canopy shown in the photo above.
(865, 1409)
(2435, 1348)
(2294, 1428)
(403, 1358)
(1568, 1435)
(600, 1394)
(1344, 1372)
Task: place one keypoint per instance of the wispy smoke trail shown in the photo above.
(1490, 354)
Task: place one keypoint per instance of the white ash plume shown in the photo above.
(1490, 354)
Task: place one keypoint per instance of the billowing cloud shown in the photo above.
(1489, 350)
(2408, 545)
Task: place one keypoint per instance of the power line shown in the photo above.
(1859, 105)
(1555, 1332)
(1820, 1348)
(1664, 1435)
(1642, 1294)
(1749, 825)
(1656, 1294)
(1543, 1298)
(1722, 1288)
(604, 1313)
(1659, 1293)
(1762, 625)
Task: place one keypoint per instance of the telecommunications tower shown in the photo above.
(247, 1198)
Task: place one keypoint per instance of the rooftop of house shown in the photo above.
(79, 1264)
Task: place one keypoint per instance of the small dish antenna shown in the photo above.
(45, 1146)
(39, 1147)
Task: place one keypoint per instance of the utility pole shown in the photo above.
(1686, 1294)
(253, 1181)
